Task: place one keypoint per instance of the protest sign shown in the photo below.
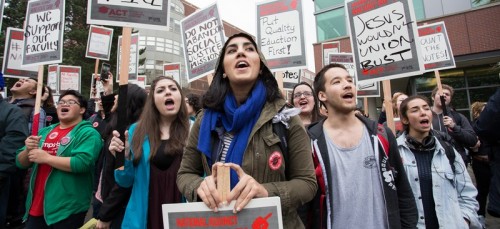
(173, 70)
(435, 47)
(364, 89)
(2, 5)
(203, 38)
(134, 57)
(290, 78)
(13, 55)
(327, 48)
(151, 14)
(384, 39)
(43, 33)
(140, 81)
(258, 213)
(99, 87)
(280, 34)
(99, 43)
(53, 79)
(69, 78)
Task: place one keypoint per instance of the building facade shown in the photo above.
(474, 35)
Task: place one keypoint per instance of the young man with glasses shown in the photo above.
(62, 158)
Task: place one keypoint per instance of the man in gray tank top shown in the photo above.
(360, 173)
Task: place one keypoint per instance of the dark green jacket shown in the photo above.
(68, 193)
(295, 188)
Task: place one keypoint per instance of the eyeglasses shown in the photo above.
(299, 94)
(69, 102)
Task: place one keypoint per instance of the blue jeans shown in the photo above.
(4, 198)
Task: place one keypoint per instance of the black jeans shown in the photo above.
(483, 175)
(72, 222)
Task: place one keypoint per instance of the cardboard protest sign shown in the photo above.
(435, 47)
(280, 34)
(173, 70)
(99, 43)
(141, 81)
(203, 39)
(134, 57)
(259, 213)
(2, 5)
(70, 78)
(290, 78)
(151, 14)
(53, 79)
(13, 55)
(384, 39)
(43, 33)
(327, 48)
(364, 89)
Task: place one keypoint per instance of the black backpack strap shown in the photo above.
(280, 130)
(448, 149)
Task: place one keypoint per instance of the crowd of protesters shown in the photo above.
(331, 166)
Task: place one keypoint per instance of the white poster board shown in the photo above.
(435, 47)
(173, 70)
(53, 78)
(133, 65)
(13, 55)
(151, 14)
(203, 39)
(280, 34)
(364, 89)
(69, 78)
(327, 48)
(99, 43)
(384, 39)
(43, 33)
(259, 213)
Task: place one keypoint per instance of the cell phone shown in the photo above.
(105, 68)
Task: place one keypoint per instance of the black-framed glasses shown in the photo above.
(299, 94)
(69, 102)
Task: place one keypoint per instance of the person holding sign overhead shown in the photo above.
(235, 130)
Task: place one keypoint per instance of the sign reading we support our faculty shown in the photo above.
(43, 32)
(134, 57)
(364, 89)
(280, 34)
(259, 213)
(154, 14)
(203, 38)
(99, 42)
(435, 46)
(384, 39)
(13, 55)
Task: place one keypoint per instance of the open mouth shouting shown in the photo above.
(242, 65)
(349, 97)
(170, 104)
(425, 122)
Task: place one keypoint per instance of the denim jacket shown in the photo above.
(454, 194)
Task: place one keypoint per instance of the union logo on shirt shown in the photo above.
(53, 135)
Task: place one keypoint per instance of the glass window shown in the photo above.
(150, 43)
(323, 4)
(176, 43)
(453, 77)
(481, 95)
(418, 5)
(160, 49)
(160, 44)
(142, 42)
(331, 24)
(459, 100)
(168, 45)
(168, 50)
(168, 41)
(177, 52)
(151, 38)
(159, 39)
(142, 38)
(483, 76)
(476, 3)
(150, 62)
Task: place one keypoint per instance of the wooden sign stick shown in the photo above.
(388, 105)
(223, 181)
(38, 102)
(122, 91)
(438, 82)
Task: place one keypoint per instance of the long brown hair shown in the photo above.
(148, 125)
(477, 108)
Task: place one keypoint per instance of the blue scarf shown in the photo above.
(237, 120)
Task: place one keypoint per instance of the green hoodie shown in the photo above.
(68, 193)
